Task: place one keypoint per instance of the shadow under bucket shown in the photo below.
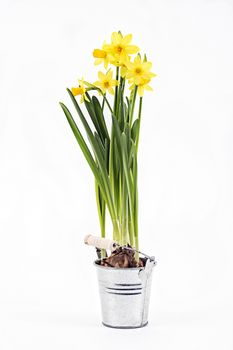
(125, 294)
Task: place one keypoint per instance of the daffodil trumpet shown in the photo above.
(112, 135)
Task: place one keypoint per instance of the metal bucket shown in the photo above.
(125, 294)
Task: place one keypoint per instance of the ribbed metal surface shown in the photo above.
(124, 295)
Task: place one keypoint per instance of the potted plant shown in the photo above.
(112, 153)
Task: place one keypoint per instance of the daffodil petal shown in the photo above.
(115, 82)
(97, 83)
(127, 38)
(148, 88)
(105, 63)
(111, 90)
(131, 49)
(147, 65)
(137, 59)
(101, 75)
(109, 75)
(97, 61)
(114, 38)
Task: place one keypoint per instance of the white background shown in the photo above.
(48, 288)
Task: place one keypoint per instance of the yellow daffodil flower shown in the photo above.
(142, 87)
(120, 48)
(80, 90)
(101, 56)
(105, 82)
(139, 71)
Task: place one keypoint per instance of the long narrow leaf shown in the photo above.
(100, 117)
(134, 129)
(99, 156)
(86, 152)
(91, 111)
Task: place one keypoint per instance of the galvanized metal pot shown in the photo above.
(125, 294)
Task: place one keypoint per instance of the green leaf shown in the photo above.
(127, 106)
(117, 132)
(132, 154)
(135, 191)
(121, 116)
(86, 152)
(135, 129)
(128, 136)
(126, 112)
(101, 147)
(91, 111)
(106, 149)
(128, 178)
(99, 157)
(100, 117)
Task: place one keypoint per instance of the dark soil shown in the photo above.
(122, 257)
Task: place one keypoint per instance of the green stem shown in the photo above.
(116, 235)
(136, 218)
(139, 122)
(137, 247)
(101, 206)
(103, 102)
(120, 96)
(130, 229)
(123, 210)
(106, 100)
(132, 105)
(116, 92)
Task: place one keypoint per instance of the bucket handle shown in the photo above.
(145, 272)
